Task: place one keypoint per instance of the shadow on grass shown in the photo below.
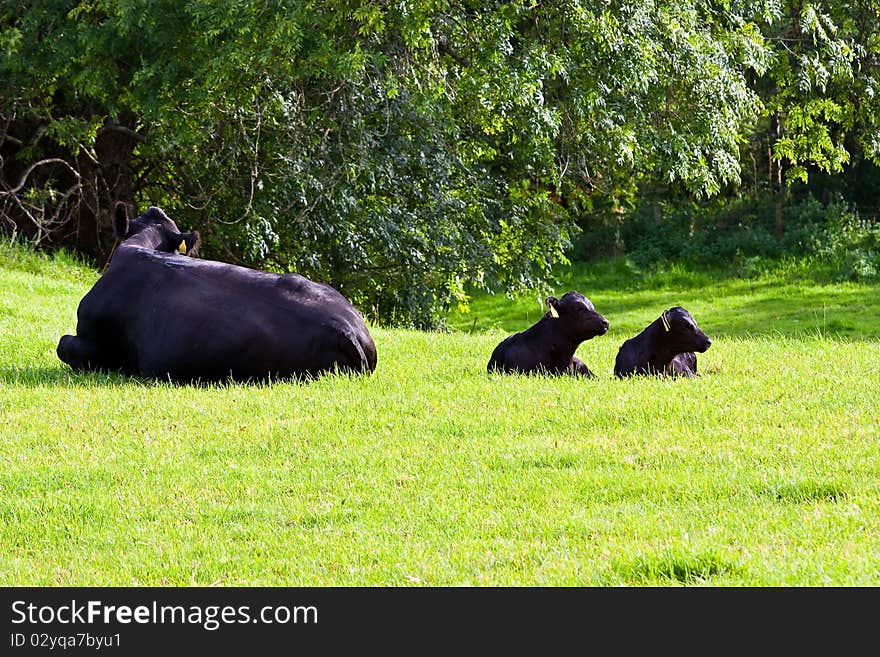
(63, 376)
(804, 492)
(837, 314)
(687, 569)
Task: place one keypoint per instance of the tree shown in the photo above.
(402, 152)
(821, 91)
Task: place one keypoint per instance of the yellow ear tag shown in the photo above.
(665, 321)
(553, 312)
(182, 248)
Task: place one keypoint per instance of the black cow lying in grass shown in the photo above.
(157, 313)
(665, 347)
(548, 346)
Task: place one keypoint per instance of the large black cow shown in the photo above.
(548, 346)
(665, 347)
(157, 313)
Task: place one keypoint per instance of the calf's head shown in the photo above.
(576, 316)
(153, 230)
(681, 331)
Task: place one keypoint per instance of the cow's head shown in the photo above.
(576, 315)
(153, 230)
(682, 331)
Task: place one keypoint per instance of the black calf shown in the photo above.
(665, 347)
(548, 346)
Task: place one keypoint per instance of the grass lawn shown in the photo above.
(764, 471)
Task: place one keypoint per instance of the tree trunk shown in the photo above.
(778, 217)
(109, 180)
(776, 177)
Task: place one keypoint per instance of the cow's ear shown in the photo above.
(551, 307)
(189, 243)
(120, 220)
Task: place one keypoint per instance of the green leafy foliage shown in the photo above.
(823, 84)
(405, 152)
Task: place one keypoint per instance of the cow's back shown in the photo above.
(629, 355)
(522, 352)
(498, 359)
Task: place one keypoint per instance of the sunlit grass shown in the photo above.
(764, 471)
(723, 305)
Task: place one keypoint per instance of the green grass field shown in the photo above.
(765, 471)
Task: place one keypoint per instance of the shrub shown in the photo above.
(740, 233)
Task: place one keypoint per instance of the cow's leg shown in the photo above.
(684, 364)
(80, 354)
(351, 356)
(578, 367)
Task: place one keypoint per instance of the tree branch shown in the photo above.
(24, 177)
(113, 127)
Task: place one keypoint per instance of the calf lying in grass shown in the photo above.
(548, 346)
(665, 347)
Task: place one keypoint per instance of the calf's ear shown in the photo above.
(189, 243)
(120, 220)
(551, 307)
